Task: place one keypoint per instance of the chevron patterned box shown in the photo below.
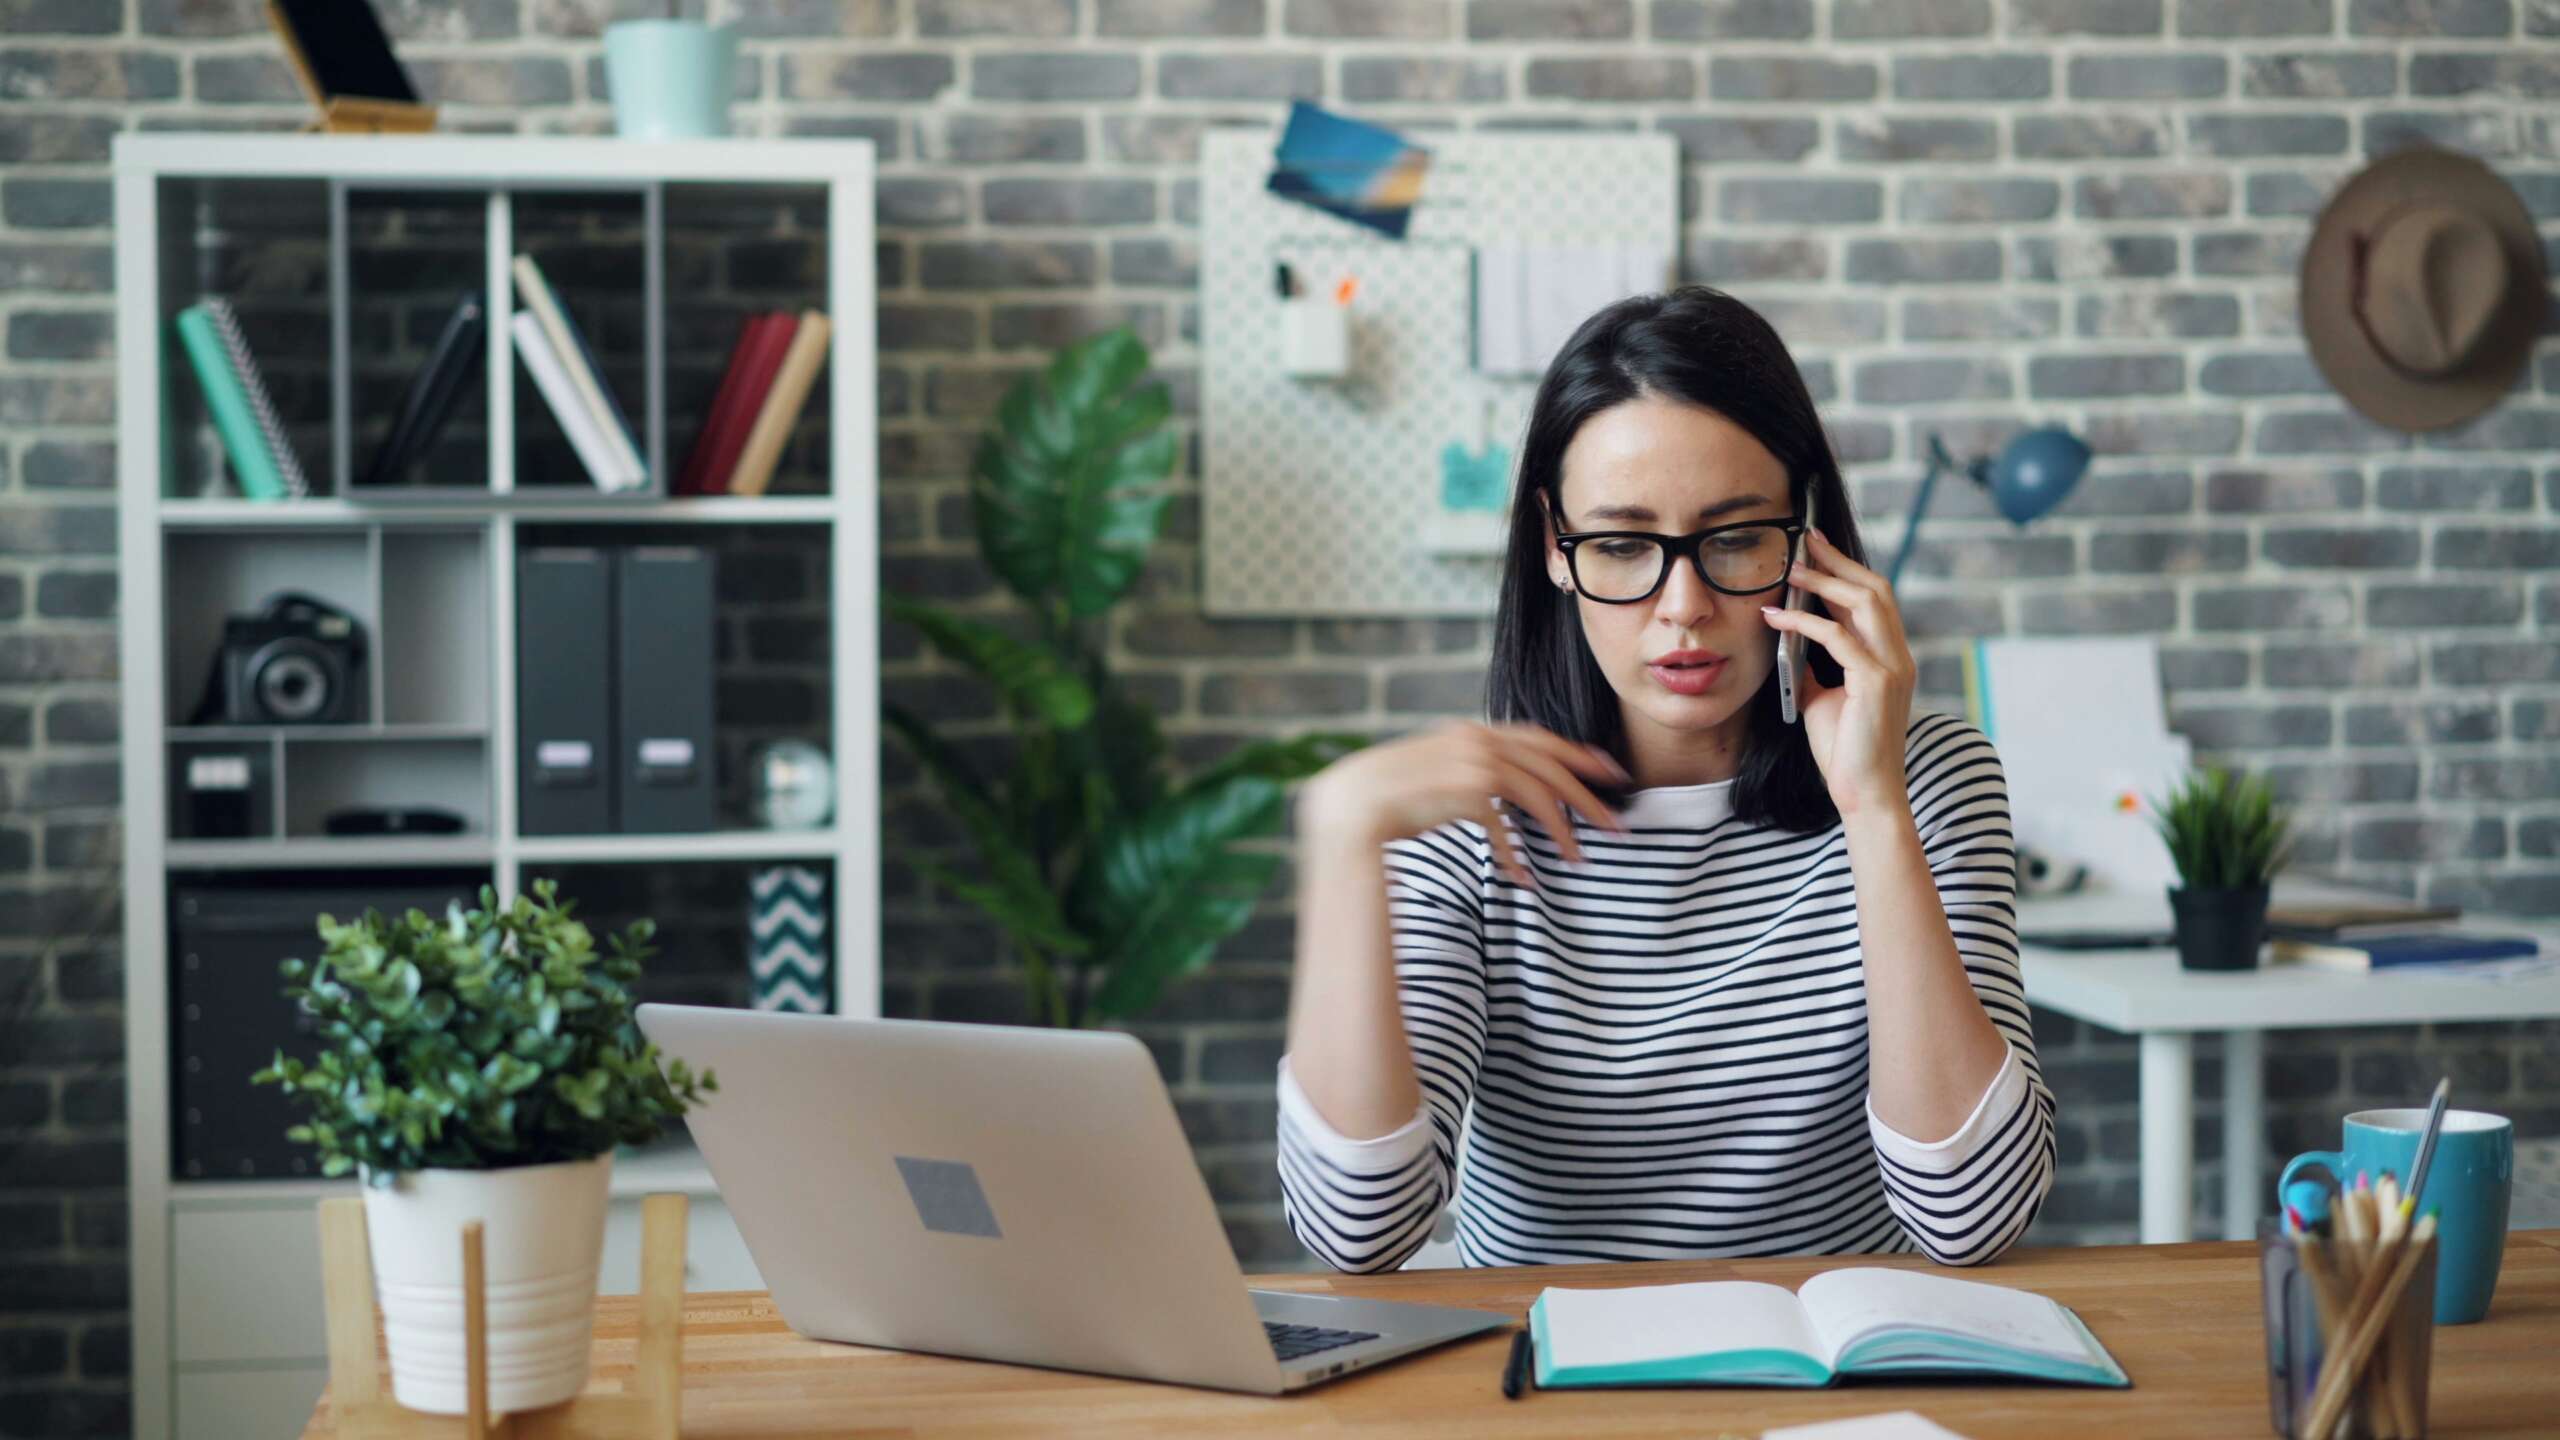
(787, 924)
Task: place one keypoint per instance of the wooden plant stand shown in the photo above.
(648, 1409)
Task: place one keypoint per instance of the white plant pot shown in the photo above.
(542, 1234)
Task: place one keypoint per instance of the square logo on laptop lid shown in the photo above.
(948, 1197)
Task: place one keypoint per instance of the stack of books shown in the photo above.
(244, 413)
(2383, 935)
(556, 355)
(771, 369)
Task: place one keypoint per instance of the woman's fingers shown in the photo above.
(1531, 793)
(1506, 857)
(1583, 759)
(1839, 639)
(1872, 607)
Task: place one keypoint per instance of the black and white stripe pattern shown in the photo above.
(1662, 1053)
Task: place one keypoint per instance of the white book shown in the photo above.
(552, 379)
(588, 386)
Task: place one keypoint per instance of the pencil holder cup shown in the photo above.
(2390, 1397)
(1315, 338)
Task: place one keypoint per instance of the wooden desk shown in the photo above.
(2182, 1319)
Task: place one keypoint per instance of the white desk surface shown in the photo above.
(2131, 991)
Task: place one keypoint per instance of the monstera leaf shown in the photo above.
(1164, 888)
(1059, 488)
(1035, 680)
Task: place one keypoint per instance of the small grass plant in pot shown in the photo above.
(2228, 837)
(482, 1064)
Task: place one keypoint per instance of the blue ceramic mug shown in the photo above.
(2468, 1184)
(670, 79)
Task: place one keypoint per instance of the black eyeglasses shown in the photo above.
(1622, 567)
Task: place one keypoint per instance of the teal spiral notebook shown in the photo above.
(1862, 1320)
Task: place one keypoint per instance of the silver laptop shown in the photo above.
(1001, 1193)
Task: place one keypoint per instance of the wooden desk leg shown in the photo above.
(2168, 1137)
(2244, 1131)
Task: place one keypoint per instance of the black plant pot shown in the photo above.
(2219, 929)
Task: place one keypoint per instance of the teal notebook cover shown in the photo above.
(1845, 1323)
(228, 401)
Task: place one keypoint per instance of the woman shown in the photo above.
(1771, 1005)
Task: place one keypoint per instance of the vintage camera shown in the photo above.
(298, 661)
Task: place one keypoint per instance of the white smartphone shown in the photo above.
(1791, 658)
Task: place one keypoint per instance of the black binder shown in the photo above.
(564, 692)
(665, 610)
(429, 400)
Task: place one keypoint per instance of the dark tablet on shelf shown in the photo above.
(341, 49)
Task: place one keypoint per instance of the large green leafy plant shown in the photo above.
(480, 1040)
(2224, 832)
(1109, 877)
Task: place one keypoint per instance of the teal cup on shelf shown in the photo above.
(670, 79)
(2468, 1186)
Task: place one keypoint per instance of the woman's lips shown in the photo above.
(1686, 679)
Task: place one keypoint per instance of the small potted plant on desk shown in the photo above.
(2228, 837)
(480, 1065)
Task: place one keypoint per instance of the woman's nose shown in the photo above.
(1686, 596)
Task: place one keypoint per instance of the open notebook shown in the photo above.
(1856, 1321)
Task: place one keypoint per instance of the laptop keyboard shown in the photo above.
(1292, 1342)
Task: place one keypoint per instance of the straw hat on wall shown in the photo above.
(2423, 289)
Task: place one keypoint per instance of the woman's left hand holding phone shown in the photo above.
(1857, 728)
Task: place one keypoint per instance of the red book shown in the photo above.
(762, 342)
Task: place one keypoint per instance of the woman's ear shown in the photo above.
(1559, 573)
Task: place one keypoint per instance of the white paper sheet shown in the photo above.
(1890, 1425)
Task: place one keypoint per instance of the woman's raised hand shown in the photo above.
(1462, 771)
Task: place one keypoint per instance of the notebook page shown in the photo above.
(1666, 1322)
(1845, 1305)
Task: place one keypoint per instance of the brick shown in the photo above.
(244, 80)
(2159, 315)
(2430, 19)
(2097, 376)
(2250, 135)
(2287, 193)
(1154, 261)
(93, 1100)
(2100, 612)
(2316, 432)
(2096, 257)
(2522, 74)
(86, 75)
(1007, 264)
(83, 722)
(2088, 137)
(44, 138)
(1077, 202)
(1793, 201)
(2151, 195)
(1013, 19)
(2396, 663)
(2183, 669)
(1279, 693)
(1992, 557)
(27, 18)
(2084, 17)
(506, 82)
(2023, 317)
(1180, 634)
(1003, 139)
(813, 19)
(2146, 76)
(62, 334)
(1789, 78)
(76, 595)
(2249, 727)
(2166, 552)
(920, 202)
(1973, 79)
(1396, 637)
(1054, 327)
(2532, 895)
(35, 659)
(2001, 201)
(2317, 75)
(2226, 20)
(2442, 722)
(1440, 692)
(2507, 427)
(2339, 547)
(2274, 607)
(1628, 78)
(1550, 19)
(40, 202)
(1693, 20)
(925, 74)
(1722, 261)
(1366, 19)
(1434, 79)
(2288, 372)
(2504, 778)
(2282, 491)
(72, 845)
(80, 784)
(2468, 548)
(1909, 19)
(1923, 262)
(1260, 75)
(2494, 662)
(2537, 719)
(2444, 487)
(968, 392)
(2487, 133)
(1931, 381)
(882, 131)
(106, 1351)
(17, 726)
(1743, 138)
(2353, 782)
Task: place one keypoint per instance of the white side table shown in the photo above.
(2146, 993)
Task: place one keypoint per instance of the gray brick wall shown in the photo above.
(1966, 214)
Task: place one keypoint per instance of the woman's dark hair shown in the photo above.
(1703, 347)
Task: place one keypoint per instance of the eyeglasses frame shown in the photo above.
(1674, 547)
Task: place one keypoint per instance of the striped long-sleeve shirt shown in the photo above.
(1662, 1053)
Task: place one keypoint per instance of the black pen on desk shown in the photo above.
(1515, 1374)
(1286, 281)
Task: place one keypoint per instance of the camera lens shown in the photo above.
(292, 683)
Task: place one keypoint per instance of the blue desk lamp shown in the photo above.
(2033, 473)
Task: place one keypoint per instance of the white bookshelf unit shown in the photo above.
(226, 1294)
